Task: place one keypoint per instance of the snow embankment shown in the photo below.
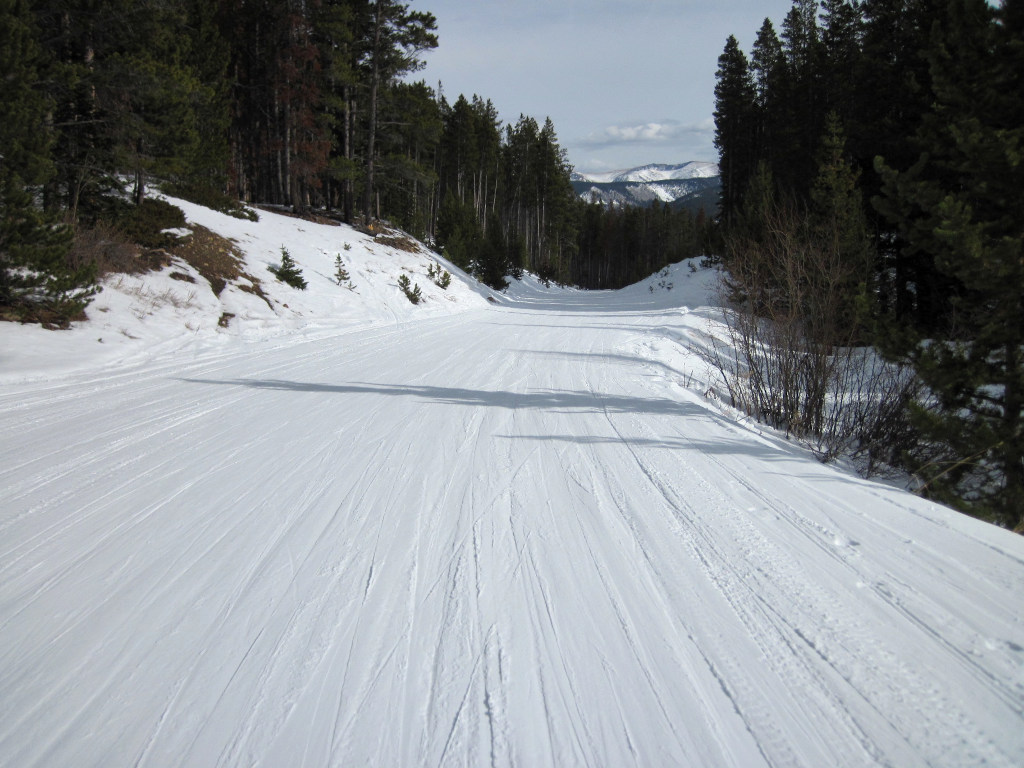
(174, 310)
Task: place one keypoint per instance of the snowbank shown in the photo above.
(174, 311)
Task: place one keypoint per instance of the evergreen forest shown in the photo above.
(872, 161)
(307, 105)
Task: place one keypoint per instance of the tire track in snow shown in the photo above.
(874, 671)
(756, 708)
(798, 639)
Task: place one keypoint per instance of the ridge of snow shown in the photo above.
(142, 317)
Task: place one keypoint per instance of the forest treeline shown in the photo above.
(872, 160)
(307, 104)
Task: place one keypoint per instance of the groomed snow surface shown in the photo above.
(354, 532)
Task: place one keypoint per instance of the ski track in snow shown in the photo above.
(505, 537)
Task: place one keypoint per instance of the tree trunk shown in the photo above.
(348, 190)
(372, 131)
(140, 187)
(1013, 455)
(276, 197)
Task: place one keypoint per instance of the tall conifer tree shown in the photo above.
(804, 108)
(767, 67)
(841, 45)
(36, 281)
(396, 37)
(735, 125)
(839, 225)
(959, 205)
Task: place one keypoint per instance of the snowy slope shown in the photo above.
(153, 316)
(510, 533)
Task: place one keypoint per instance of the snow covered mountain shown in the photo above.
(327, 527)
(690, 185)
(652, 173)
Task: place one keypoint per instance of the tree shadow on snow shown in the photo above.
(723, 447)
(564, 401)
(608, 357)
(555, 401)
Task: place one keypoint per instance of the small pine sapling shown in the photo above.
(411, 291)
(340, 273)
(288, 271)
(442, 277)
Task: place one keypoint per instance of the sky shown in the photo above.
(626, 82)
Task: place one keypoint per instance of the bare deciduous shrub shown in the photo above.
(108, 247)
(795, 358)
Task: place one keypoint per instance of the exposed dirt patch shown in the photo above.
(213, 256)
(47, 318)
(255, 289)
(398, 240)
(315, 218)
(218, 260)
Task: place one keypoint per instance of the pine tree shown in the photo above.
(79, 37)
(734, 126)
(802, 121)
(411, 290)
(396, 37)
(767, 68)
(959, 206)
(491, 265)
(208, 56)
(840, 226)
(288, 271)
(892, 94)
(841, 45)
(36, 280)
(408, 146)
(556, 228)
(340, 273)
(458, 233)
(280, 132)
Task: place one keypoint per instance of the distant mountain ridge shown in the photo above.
(654, 172)
(692, 185)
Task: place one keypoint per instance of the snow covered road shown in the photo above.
(506, 537)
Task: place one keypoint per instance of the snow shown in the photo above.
(154, 316)
(505, 529)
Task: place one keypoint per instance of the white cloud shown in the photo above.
(662, 132)
(588, 64)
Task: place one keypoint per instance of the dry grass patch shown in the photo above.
(218, 260)
(398, 241)
(214, 257)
